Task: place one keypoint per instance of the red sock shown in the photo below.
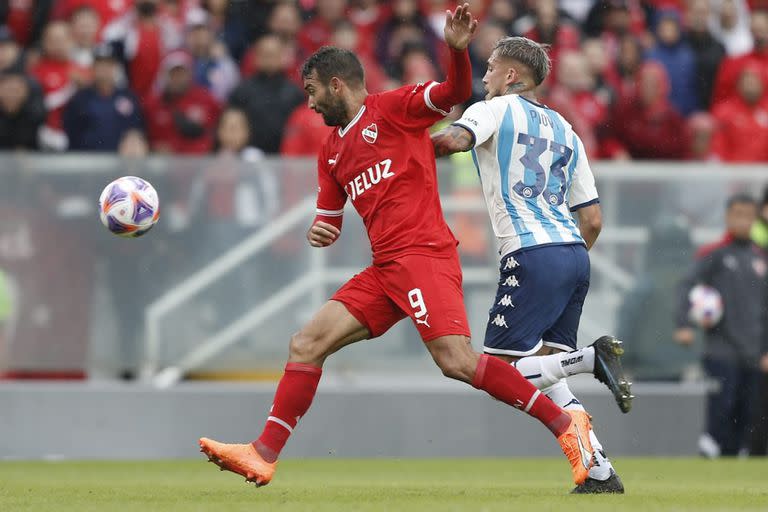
(292, 400)
(495, 378)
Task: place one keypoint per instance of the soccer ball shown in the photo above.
(706, 306)
(129, 207)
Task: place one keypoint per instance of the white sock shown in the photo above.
(561, 394)
(545, 371)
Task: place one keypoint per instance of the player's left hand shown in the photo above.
(460, 26)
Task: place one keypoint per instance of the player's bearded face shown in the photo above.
(332, 108)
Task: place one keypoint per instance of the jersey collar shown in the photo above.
(353, 122)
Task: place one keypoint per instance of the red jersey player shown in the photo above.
(381, 159)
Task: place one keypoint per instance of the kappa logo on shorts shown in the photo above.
(512, 281)
(511, 263)
(506, 300)
(500, 321)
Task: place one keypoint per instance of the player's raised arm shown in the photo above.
(440, 97)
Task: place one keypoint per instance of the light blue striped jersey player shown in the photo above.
(533, 169)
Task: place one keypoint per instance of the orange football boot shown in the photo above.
(242, 459)
(576, 445)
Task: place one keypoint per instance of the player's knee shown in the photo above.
(305, 348)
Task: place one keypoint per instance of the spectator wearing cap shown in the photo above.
(741, 133)
(182, 116)
(213, 68)
(84, 24)
(645, 125)
(59, 77)
(26, 20)
(267, 97)
(22, 112)
(674, 53)
(708, 51)
(11, 54)
(731, 68)
(98, 117)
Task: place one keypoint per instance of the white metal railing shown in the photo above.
(316, 279)
(209, 274)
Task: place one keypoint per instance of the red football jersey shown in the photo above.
(384, 162)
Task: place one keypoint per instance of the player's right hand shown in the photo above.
(322, 234)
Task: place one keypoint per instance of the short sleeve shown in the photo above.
(410, 107)
(480, 121)
(583, 191)
(331, 196)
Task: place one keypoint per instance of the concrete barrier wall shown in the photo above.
(372, 418)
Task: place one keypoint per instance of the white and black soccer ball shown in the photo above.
(706, 306)
(129, 207)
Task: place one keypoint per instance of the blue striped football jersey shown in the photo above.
(533, 169)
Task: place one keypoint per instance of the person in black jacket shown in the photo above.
(22, 111)
(734, 346)
(708, 50)
(98, 117)
(268, 97)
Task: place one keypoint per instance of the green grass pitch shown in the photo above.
(518, 484)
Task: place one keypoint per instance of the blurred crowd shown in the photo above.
(638, 79)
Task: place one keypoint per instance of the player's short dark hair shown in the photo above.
(330, 62)
(528, 52)
(741, 198)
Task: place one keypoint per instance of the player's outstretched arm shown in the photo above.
(453, 139)
(322, 234)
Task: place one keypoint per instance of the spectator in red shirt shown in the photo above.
(107, 10)
(549, 29)
(58, 76)
(317, 32)
(731, 68)
(304, 133)
(367, 16)
(572, 95)
(742, 121)
(139, 33)
(646, 125)
(701, 126)
(26, 19)
(183, 116)
(346, 36)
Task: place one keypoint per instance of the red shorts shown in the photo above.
(426, 288)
